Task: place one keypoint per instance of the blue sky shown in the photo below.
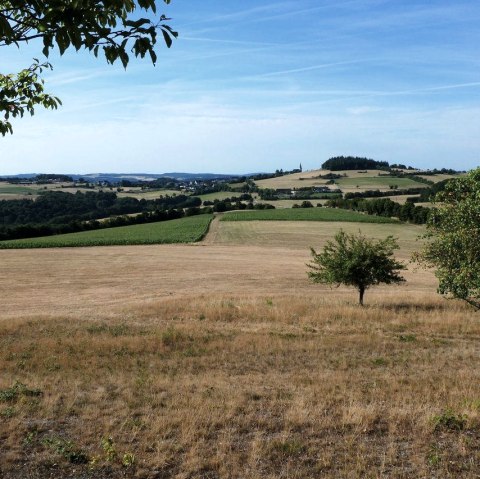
(260, 85)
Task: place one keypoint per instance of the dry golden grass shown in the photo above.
(299, 236)
(311, 178)
(355, 181)
(223, 361)
(440, 177)
(9, 190)
(296, 180)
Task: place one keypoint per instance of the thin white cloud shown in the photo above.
(371, 77)
(230, 42)
(438, 88)
(309, 68)
(362, 110)
(71, 77)
(206, 133)
(241, 14)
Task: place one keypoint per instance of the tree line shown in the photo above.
(337, 163)
(56, 212)
(384, 207)
(243, 202)
(380, 194)
(269, 194)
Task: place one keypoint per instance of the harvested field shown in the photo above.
(382, 183)
(221, 360)
(311, 178)
(295, 180)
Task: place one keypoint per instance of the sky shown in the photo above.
(256, 86)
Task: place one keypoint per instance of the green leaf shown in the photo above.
(64, 24)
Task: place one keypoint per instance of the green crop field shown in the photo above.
(305, 214)
(377, 182)
(183, 230)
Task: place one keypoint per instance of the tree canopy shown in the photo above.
(355, 260)
(107, 26)
(454, 239)
(353, 163)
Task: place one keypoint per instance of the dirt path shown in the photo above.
(212, 236)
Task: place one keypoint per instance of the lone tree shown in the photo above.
(453, 231)
(357, 261)
(109, 26)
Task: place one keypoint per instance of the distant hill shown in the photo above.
(117, 177)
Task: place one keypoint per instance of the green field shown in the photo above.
(7, 189)
(301, 235)
(305, 214)
(139, 194)
(378, 182)
(219, 195)
(184, 230)
(289, 203)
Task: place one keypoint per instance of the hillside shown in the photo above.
(349, 181)
(222, 360)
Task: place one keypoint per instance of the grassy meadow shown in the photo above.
(14, 191)
(299, 236)
(219, 195)
(183, 230)
(10, 191)
(139, 194)
(221, 360)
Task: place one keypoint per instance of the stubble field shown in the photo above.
(221, 360)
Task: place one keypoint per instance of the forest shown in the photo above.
(337, 163)
(55, 212)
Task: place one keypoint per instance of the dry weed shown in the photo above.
(244, 371)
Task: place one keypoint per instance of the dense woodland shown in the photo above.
(56, 207)
(353, 163)
(55, 212)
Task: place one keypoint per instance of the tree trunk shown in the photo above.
(361, 290)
